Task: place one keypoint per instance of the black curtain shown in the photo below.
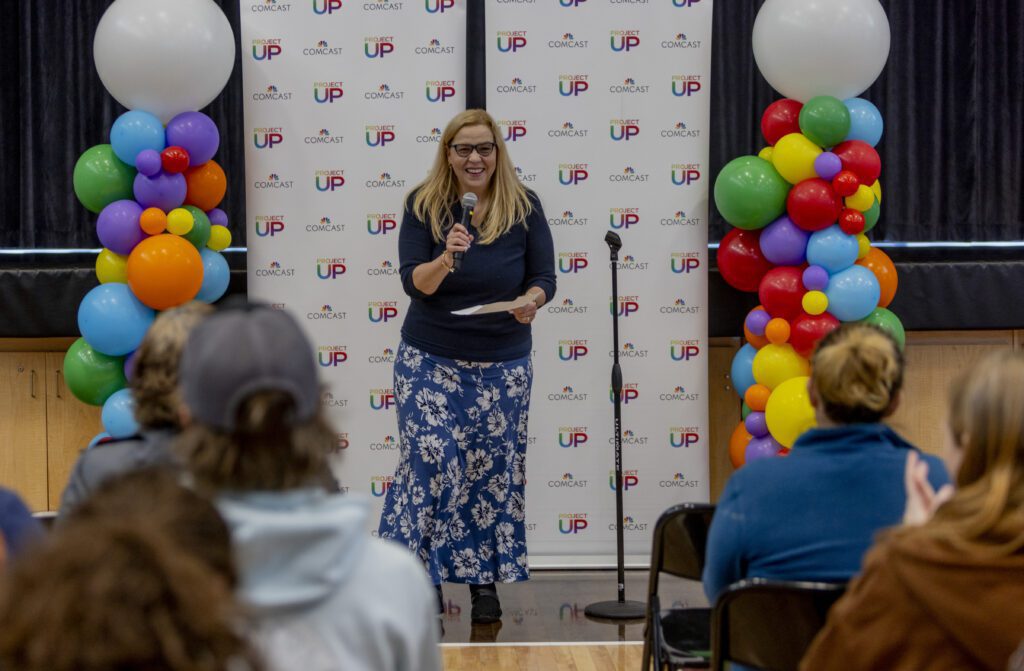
(951, 95)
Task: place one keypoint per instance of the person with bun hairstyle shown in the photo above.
(946, 590)
(813, 514)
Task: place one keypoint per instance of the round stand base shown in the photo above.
(616, 610)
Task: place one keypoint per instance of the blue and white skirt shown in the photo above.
(457, 499)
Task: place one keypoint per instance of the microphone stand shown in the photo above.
(619, 609)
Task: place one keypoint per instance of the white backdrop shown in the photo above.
(345, 103)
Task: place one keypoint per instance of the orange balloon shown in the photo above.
(757, 341)
(777, 331)
(884, 269)
(738, 445)
(207, 185)
(153, 220)
(757, 397)
(165, 271)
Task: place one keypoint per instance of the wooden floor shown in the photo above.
(578, 657)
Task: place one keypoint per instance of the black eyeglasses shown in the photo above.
(464, 150)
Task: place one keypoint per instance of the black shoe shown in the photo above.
(486, 607)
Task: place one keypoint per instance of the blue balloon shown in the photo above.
(832, 249)
(97, 438)
(113, 320)
(853, 293)
(118, 415)
(135, 131)
(216, 276)
(865, 121)
(742, 371)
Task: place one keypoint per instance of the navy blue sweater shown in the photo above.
(811, 515)
(501, 271)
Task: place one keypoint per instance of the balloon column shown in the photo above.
(155, 188)
(802, 209)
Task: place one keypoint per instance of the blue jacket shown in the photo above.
(811, 515)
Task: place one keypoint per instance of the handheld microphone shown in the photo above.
(468, 203)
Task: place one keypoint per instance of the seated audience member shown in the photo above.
(947, 592)
(812, 515)
(108, 594)
(18, 528)
(322, 593)
(154, 385)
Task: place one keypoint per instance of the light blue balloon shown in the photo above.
(97, 438)
(216, 276)
(865, 121)
(113, 320)
(832, 249)
(134, 131)
(853, 293)
(118, 415)
(742, 371)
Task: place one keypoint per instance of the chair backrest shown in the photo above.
(769, 624)
(680, 539)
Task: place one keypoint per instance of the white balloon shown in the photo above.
(807, 48)
(164, 56)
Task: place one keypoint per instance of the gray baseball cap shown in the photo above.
(242, 350)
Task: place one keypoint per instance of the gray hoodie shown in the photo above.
(323, 595)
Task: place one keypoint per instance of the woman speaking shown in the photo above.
(462, 383)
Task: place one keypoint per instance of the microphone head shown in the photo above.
(469, 200)
(613, 240)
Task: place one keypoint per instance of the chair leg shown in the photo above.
(647, 651)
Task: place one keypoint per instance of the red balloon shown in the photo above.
(740, 260)
(781, 291)
(174, 159)
(813, 205)
(806, 330)
(845, 183)
(861, 158)
(780, 118)
(851, 221)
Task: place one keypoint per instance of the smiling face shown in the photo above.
(473, 172)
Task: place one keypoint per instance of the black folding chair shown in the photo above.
(769, 624)
(673, 636)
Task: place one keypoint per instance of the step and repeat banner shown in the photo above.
(604, 106)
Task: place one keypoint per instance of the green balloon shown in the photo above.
(91, 376)
(200, 233)
(886, 320)
(825, 121)
(100, 178)
(745, 410)
(750, 193)
(871, 216)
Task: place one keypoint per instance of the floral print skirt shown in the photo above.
(457, 498)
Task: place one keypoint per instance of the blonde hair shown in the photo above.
(857, 370)
(154, 382)
(986, 419)
(508, 204)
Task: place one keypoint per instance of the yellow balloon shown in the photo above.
(766, 153)
(774, 364)
(111, 267)
(863, 246)
(220, 238)
(814, 302)
(876, 188)
(862, 200)
(180, 221)
(793, 156)
(789, 413)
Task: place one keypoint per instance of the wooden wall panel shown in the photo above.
(23, 426)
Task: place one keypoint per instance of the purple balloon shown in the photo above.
(784, 243)
(118, 226)
(762, 448)
(164, 190)
(218, 217)
(129, 365)
(756, 424)
(148, 162)
(195, 133)
(815, 278)
(756, 321)
(827, 165)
